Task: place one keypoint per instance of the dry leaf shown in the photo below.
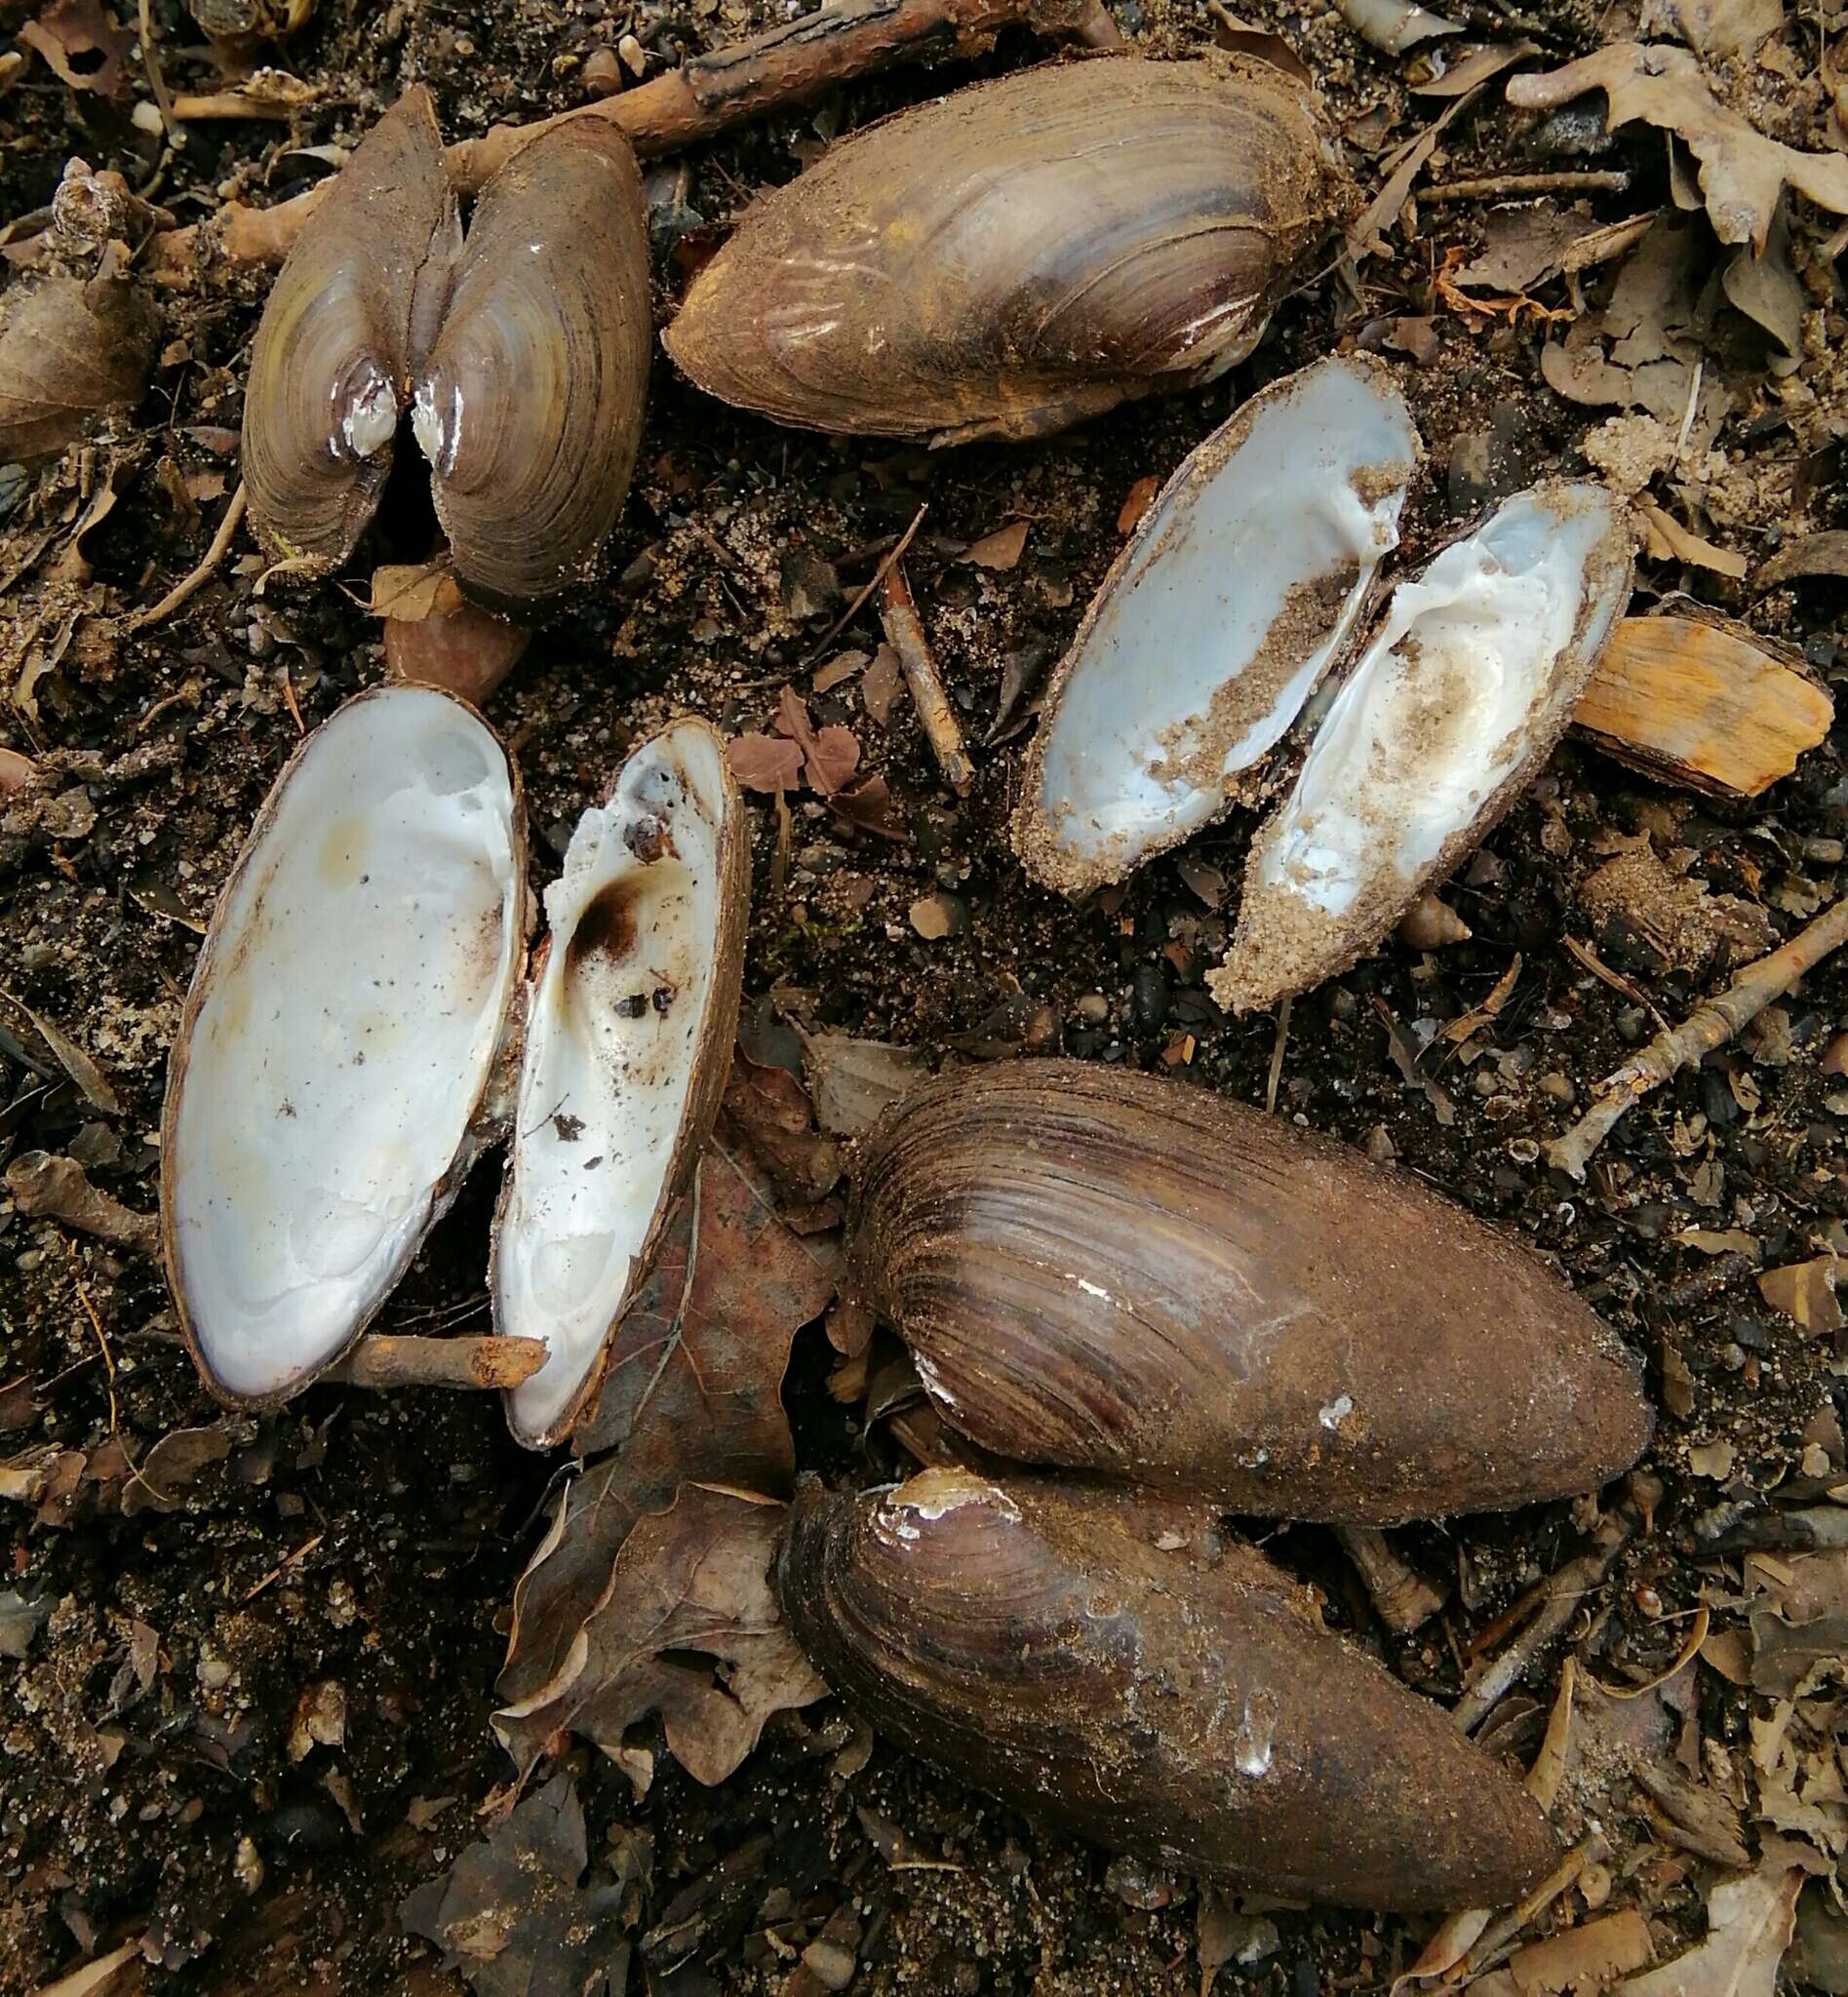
(1748, 1924)
(75, 1063)
(509, 1913)
(414, 592)
(1742, 173)
(1668, 540)
(1000, 550)
(80, 45)
(692, 1391)
(1806, 1292)
(829, 758)
(880, 684)
(1822, 554)
(852, 1081)
(1725, 27)
(1594, 1956)
(695, 1578)
(870, 806)
(765, 763)
(776, 1118)
(68, 352)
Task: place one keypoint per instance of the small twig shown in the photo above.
(1716, 1022)
(1278, 1047)
(1558, 1604)
(1693, 402)
(108, 1367)
(886, 562)
(156, 82)
(1402, 1597)
(1505, 186)
(1583, 953)
(283, 1565)
(48, 1187)
(905, 632)
(183, 591)
(381, 1361)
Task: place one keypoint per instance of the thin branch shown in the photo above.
(707, 94)
(905, 632)
(1716, 1022)
(1510, 186)
(1404, 1599)
(188, 587)
(887, 562)
(382, 1360)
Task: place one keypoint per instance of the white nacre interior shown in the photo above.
(1444, 704)
(1150, 723)
(616, 1025)
(353, 996)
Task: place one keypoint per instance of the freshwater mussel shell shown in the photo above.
(1111, 1661)
(341, 1053)
(530, 407)
(347, 322)
(1237, 591)
(1106, 1273)
(1017, 256)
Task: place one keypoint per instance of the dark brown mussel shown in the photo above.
(1108, 1272)
(1114, 1662)
(1017, 256)
(519, 354)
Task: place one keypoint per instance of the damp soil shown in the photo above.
(373, 1541)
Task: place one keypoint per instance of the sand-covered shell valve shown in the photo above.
(515, 355)
(361, 1026)
(1018, 255)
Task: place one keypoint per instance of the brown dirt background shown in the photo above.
(404, 1522)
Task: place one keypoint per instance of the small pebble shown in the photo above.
(633, 53)
(1094, 1009)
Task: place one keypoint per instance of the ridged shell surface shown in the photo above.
(530, 408)
(1109, 1273)
(1017, 256)
(1113, 1664)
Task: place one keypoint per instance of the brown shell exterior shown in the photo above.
(485, 1126)
(1017, 256)
(1112, 1663)
(1109, 1273)
(712, 1065)
(355, 305)
(544, 349)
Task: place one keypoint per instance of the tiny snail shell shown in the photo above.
(1111, 1661)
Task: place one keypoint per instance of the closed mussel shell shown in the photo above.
(349, 320)
(1104, 1272)
(1017, 256)
(530, 407)
(1110, 1662)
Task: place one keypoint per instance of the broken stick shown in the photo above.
(1716, 1022)
(382, 1360)
(46, 1185)
(1402, 1597)
(905, 632)
(707, 94)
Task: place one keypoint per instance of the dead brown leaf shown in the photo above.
(692, 1391)
(1594, 1956)
(694, 1578)
(870, 806)
(765, 763)
(1741, 173)
(830, 755)
(1748, 1924)
(80, 45)
(1806, 1292)
(852, 1081)
(776, 1118)
(1000, 550)
(1725, 27)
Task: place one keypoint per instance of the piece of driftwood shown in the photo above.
(707, 94)
(1705, 703)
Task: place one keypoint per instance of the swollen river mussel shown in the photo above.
(360, 1028)
(1100, 1271)
(1018, 255)
(519, 354)
(1116, 1662)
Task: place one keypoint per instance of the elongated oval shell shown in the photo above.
(347, 322)
(629, 1034)
(326, 1089)
(1017, 256)
(1102, 1271)
(1240, 589)
(530, 407)
(1112, 1663)
(1446, 718)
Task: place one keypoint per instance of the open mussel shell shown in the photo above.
(334, 1073)
(529, 406)
(629, 1032)
(1017, 256)
(1104, 1272)
(1110, 1662)
(1444, 721)
(349, 318)
(1239, 590)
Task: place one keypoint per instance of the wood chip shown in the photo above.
(1000, 550)
(1141, 498)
